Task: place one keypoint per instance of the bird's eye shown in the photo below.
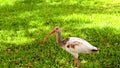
(56, 28)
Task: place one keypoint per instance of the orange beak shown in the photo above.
(52, 32)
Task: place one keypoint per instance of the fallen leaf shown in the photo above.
(28, 64)
(9, 50)
(16, 62)
(42, 42)
(108, 45)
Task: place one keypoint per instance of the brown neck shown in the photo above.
(59, 39)
(58, 36)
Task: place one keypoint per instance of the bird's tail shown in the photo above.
(95, 50)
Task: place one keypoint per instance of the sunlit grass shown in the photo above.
(92, 21)
(25, 23)
(8, 2)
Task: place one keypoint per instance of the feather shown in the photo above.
(77, 45)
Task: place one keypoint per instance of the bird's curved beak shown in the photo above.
(52, 32)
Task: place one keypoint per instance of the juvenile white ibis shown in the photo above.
(73, 45)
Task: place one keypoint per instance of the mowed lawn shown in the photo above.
(25, 23)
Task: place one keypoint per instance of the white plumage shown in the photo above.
(79, 46)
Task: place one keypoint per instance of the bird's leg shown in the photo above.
(76, 62)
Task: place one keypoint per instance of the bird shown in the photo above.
(73, 45)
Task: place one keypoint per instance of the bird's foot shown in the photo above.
(76, 63)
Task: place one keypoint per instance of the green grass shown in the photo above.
(24, 24)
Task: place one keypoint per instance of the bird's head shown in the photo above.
(56, 29)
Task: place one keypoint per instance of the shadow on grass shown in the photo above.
(19, 16)
(22, 13)
(51, 55)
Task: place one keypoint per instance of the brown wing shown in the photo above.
(64, 41)
(73, 44)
